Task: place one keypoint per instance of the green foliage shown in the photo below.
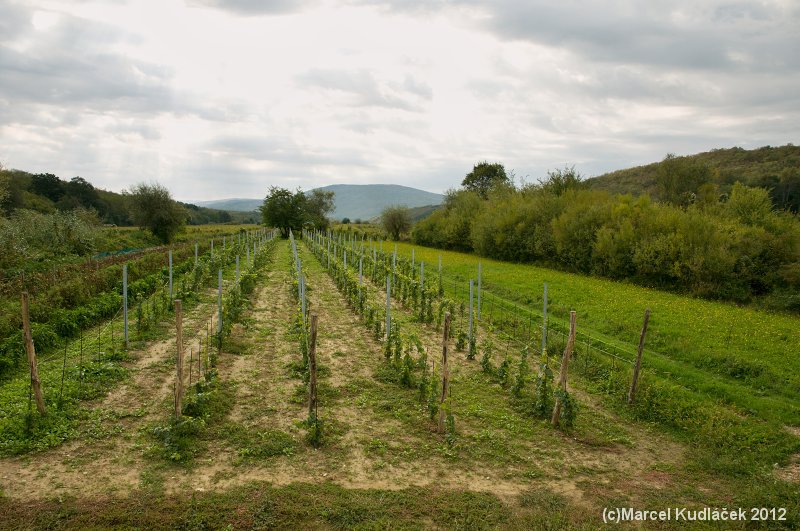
(433, 397)
(28, 236)
(450, 226)
(472, 350)
(152, 208)
(292, 211)
(522, 373)
(461, 341)
(735, 251)
(449, 424)
(543, 393)
(264, 444)
(678, 178)
(560, 181)
(407, 371)
(396, 221)
(569, 408)
(503, 372)
(486, 359)
(207, 402)
(772, 168)
(314, 431)
(485, 177)
(751, 206)
(178, 437)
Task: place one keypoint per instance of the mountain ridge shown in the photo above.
(354, 201)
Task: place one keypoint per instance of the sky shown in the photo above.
(225, 98)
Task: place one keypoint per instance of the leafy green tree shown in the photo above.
(288, 210)
(283, 209)
(318, 205)
(451, 225)
(559, 181)
(678, 179)
(396, 220)
(152, 207)
(5, 189)
(751, 206)
(787, 191)
(47, 185)
(82, 193)
(484, 177)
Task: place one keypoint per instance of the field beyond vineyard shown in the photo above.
(718, 380)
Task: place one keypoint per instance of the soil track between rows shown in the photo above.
(378, 436)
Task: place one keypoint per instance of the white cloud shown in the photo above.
(219, 98)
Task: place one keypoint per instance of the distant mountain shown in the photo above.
(365, 201)
(235, 205)
(354, 201)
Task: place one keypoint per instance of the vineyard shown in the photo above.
(333, 380)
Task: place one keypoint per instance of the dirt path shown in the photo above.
(108, 453)
(377, 433)
(607, 453)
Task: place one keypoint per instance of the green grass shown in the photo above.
(90, 369)
(702, 332)
(725, 377)
(303, 506)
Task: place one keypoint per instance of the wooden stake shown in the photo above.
(562, 374)
(31, 352)
(312, 369)
(179, 374)
(445, 371)
(638, 366)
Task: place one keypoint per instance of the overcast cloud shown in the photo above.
(224, 98)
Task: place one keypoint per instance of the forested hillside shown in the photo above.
(707, 233)
(776, 169)
(47, 193)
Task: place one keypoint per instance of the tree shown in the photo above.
(318, 205)
(293, 211)
(47, 185)
(345, 221)
(152, 207)
(396, 220)
(5, 188)
(678, 178)
(559, 181)
(82, 192)
(750, 206)
(283, 209)
(484, 177)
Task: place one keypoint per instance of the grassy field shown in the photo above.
(382, 463)
(712, 363)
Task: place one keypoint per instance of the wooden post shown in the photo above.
(638, 366)
(562, 374)
(312, 369)
(31, 352)
(445, 370)
(179, 373)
